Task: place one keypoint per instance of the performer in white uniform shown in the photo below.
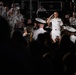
(71, 32)
(56, 26)
(40, 30)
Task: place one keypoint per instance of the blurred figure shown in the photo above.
(41, 12)
(71, 32)
(26, 35)
(56, 26)
(2, 8)
(40, 30)
(66, 20)
(29, 23)
(14, 8)
(19, 19)
(40, 9)
(5, 14)
(72, 19)
(11, 19)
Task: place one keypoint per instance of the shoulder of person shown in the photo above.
(59, 19)
(70, 17)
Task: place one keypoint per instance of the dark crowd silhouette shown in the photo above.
(17, 56)
(21, 54)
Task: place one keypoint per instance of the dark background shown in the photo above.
(63, 7)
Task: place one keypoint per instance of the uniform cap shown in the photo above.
(39, 20)
(17, 8)
(70, 29)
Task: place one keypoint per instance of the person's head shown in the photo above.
(41, 25)
(13, 5)
(56, 14)
(67, 16)
(29, 21)
(18, 10)
(7, 8)
(40, 22)
(74, 14)
(1, 3)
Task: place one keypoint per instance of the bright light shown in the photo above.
(72, 0)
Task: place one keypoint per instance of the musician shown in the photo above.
(72, 19)
(56, 26)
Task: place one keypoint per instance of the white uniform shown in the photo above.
(56, 26)
(37, 32)
(73, 38)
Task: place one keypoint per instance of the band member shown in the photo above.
(56, 26)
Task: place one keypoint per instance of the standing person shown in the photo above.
(71, 32)
(19, 19)
(10, 19)
(40, 30)
(56, 26)
(2, 8)
(13, 8)
(72, 19)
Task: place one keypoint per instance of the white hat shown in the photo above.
(17, 8)
(40, 20)
(68, 28)
(73, 38)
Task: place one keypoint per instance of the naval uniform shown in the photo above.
(37, 32)
(56, 28)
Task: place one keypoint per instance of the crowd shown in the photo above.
(42, 46)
